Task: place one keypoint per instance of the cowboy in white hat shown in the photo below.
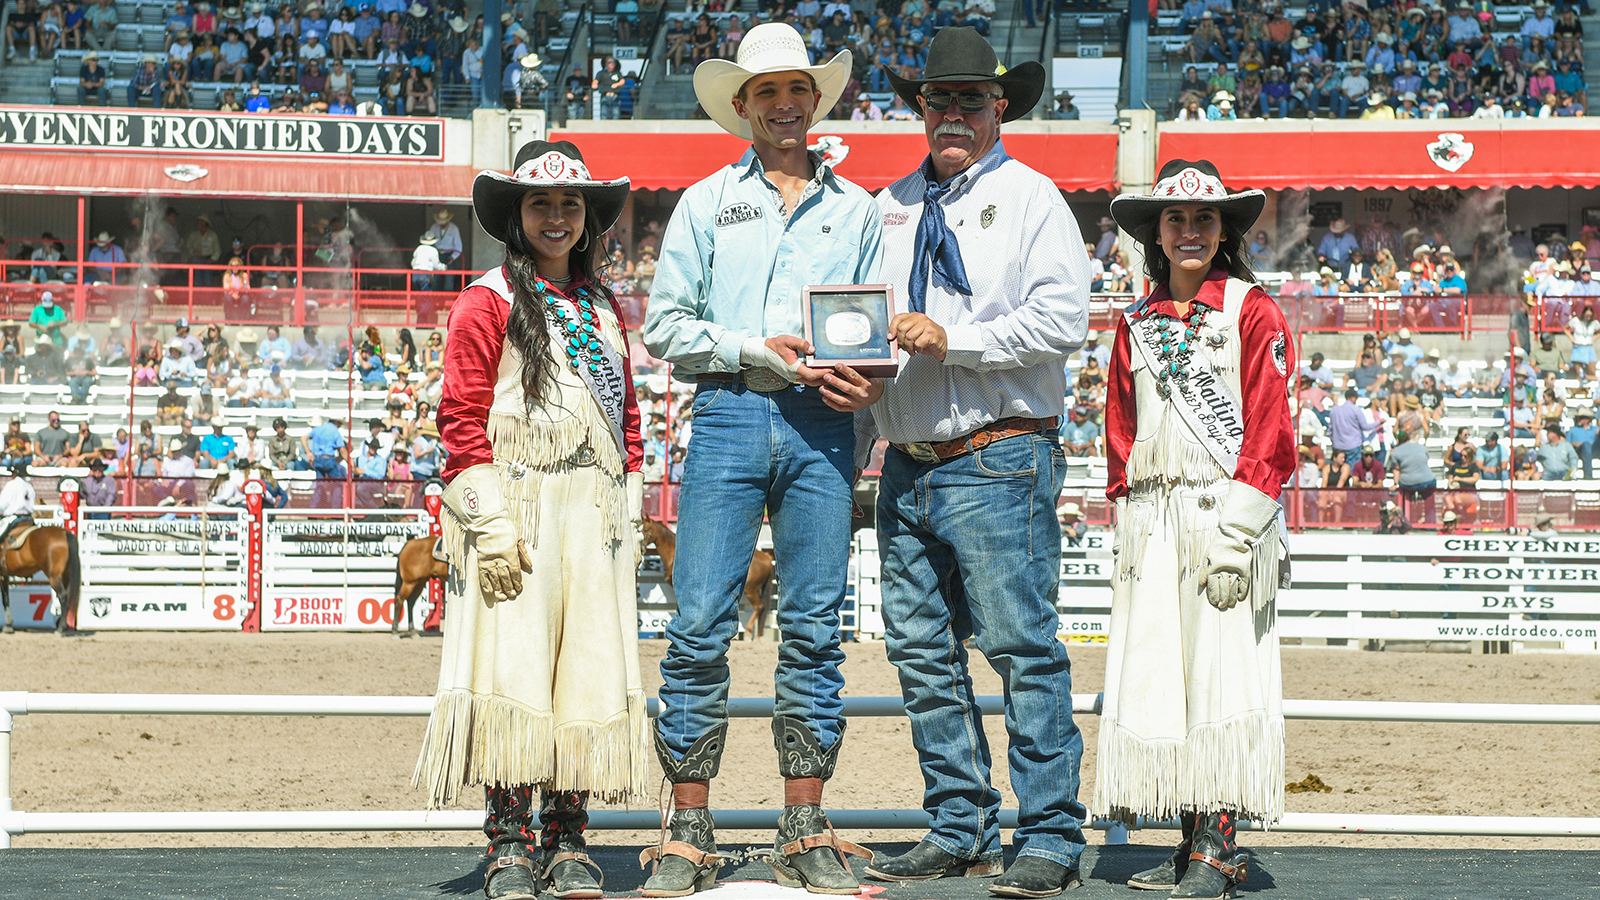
(1073, 528)
(777, 220)
(447, 243)
(987, 330)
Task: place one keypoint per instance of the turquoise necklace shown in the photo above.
(1178, 342)
(582, 336)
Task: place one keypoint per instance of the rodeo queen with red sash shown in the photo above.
(1200, 442)
(539, 695)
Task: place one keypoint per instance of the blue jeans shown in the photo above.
(788, 455)
(971, 548)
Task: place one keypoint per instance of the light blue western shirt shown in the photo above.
(733, 264)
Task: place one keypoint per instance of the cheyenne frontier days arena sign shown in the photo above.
(155, 131)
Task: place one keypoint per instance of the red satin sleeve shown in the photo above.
(1122, 420)
(1267, 456)
(472, 347)
(632, 436)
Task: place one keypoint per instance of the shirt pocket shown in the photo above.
(836, 256)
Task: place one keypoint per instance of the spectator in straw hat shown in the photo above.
(447, 245)
(105, 253)
(1073, 527)
(777, 195)
(1105, 247)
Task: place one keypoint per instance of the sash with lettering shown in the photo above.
(1205, 403)
(605, 380)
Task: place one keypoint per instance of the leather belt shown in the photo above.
(759, 379)
(977, 440)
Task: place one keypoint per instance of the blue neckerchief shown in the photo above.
(935, 238)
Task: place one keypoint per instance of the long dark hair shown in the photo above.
(526, 329)
(1233, 253)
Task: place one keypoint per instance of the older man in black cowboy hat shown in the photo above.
(989, 259)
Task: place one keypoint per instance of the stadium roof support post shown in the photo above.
(299, 262)
(80, 294)
(1136, 173)
(1138, 55)
(493, 72)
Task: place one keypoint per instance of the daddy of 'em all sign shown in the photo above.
(221, 134)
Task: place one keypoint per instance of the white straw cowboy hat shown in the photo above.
(769, 47)
(545, 164)
(1181, 181)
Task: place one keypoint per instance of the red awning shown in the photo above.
(1410, 154)
(1075, 160)
(102, 174)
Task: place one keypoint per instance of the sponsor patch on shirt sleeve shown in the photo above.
(1280, 353)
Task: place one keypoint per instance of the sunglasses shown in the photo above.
(969, 101)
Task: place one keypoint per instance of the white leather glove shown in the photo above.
(754, 353)
(635, 497)
(1245, 516)
(474, 499)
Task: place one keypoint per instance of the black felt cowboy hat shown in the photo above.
(961, 54)
(1179, 182)
(544, 164)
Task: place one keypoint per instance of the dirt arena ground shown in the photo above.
(130, 763)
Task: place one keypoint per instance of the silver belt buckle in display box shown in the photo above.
(764, 380)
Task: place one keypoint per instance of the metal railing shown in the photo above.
(18, 703)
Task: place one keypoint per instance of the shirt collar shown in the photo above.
(750, 167)
(1210, 295)
(961, 180)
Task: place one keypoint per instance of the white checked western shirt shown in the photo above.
(1009, 341)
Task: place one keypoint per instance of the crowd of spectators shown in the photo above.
(157, 250)
(205, 377)
(1378, 61)
(304, 47)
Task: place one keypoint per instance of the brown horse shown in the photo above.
(416, 567)
(52, 550)
(756, 584)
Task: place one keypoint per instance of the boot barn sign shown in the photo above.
(222, 134)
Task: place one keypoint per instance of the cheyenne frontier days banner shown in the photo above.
(222, 134)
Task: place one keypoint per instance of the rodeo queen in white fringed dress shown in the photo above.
(539, 695)
(1200, 442)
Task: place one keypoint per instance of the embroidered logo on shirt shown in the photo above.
(891, 219)
(736, 213)
(986, 218)
(1280, 354)
(470, 498)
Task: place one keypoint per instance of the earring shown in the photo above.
(585, 245)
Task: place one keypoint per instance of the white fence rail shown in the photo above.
(18, 703)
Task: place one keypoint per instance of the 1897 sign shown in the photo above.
(224, 134)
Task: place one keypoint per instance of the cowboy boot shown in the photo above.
(565, 867)
(508, 822)
(687, 859)
(1215, 863)
(1166, 876)
(806, 852)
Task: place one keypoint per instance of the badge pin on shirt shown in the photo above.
(986, 218)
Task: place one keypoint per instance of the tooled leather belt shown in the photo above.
(756, 379)
(977, 440)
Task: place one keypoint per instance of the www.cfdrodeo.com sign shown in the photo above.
(221, 134)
